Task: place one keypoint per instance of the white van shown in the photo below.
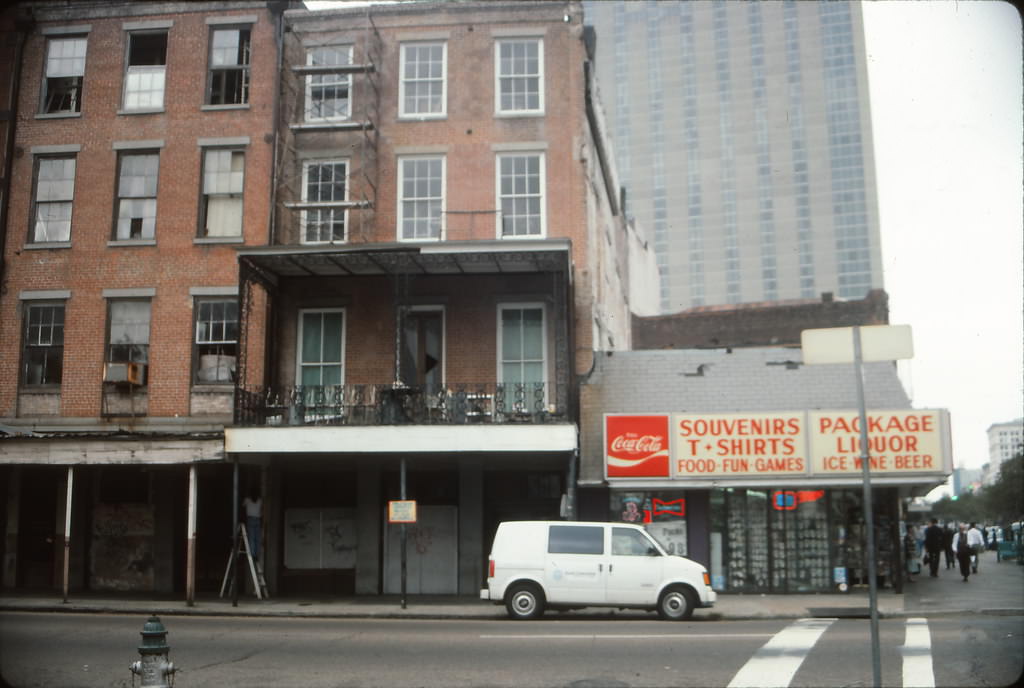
(567, 564)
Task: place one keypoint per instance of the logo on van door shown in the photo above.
(636, 446)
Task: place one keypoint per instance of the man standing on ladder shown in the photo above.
(253, 506)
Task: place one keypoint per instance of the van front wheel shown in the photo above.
(524, 601)
(676, 604)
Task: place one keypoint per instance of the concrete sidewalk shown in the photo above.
(997, 589)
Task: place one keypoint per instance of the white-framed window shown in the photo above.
(328, 96)
(136, 195)
(520, 191)
(54, 192)
(522, 343)
(421, 186)
(229, 66)
(321, 349)
(323, 181)
(519, 76)
(128, 331)
(223, 183)
(422, 89)
(43, 352)
(145, 71)
(65, 70)
(216, 340)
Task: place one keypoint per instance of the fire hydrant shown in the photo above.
(154, 669)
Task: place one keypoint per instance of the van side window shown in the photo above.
(629, 542)
(575, 540)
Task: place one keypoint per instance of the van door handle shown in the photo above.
(600, 567)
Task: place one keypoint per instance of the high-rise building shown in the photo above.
(742, 132)
(1005, 441)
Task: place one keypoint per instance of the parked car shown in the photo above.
(535, 565)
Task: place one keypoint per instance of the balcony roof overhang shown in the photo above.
(410, 439)
(426, 258)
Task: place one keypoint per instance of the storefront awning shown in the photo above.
(407, 439)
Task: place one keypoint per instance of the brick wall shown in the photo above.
(768, 324)
(176, 262)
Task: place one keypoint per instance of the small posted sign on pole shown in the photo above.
(402, 511)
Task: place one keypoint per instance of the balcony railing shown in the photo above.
(398, 404)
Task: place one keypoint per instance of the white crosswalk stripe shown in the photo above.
(917, 655)
(776, 663)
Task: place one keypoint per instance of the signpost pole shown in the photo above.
(869, 519)
(404, 534)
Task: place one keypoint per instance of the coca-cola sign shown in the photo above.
(637, 446)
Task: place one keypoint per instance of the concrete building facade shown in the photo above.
(1005, 441)
(743, 135)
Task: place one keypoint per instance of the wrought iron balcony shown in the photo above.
(399, 404)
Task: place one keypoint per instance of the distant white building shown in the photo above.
(1004, 441)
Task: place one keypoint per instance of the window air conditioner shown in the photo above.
(125, 373)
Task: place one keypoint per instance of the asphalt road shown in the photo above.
(54, 650)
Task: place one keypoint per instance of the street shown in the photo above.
(85, 650)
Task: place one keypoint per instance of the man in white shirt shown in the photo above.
(964, 549)
(977, 542)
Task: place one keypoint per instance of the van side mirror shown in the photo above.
(652, 552)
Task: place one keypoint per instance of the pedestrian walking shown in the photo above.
(977, 542)
(948, 535)
(962, 551)
(934, 543)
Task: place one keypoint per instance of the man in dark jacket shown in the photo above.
(934, 544)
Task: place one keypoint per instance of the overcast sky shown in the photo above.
(945, 82)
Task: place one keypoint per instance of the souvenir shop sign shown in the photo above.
(721, 445)
(781, 444)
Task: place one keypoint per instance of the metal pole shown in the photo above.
(404, 535)
(234, 540)
(67, 531)
(869, 519)
(190, 563)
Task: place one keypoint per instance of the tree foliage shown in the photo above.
(999, 503)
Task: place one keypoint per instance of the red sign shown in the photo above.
(636, 446)
(788, 500)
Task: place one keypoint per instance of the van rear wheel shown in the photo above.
(676, 604)
(524, 601)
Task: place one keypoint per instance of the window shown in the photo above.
(421, 361)
(328, 96)
(422, 87)
(575, 539)
(129, 331)
(420, 198)
(216, 340)
(147, 64)
(43, 357)
(55, 188)
(321, 347)
(65, 67)
(229, 67)
(521, 348)
(136, 196)
(519, 65)
(630, 543)
(324, 181)
(521, 195)
(223, 181)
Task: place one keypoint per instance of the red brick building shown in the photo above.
(446, 255)
(141, 163)
(378, 244)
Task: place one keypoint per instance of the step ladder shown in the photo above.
(259, 583)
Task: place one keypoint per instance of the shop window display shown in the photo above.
(662, 514)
